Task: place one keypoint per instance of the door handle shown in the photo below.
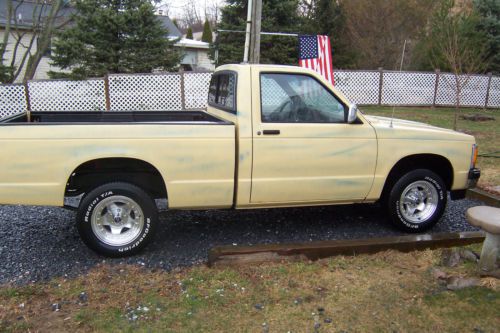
(271, 132)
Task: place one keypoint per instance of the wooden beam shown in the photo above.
(230, 255)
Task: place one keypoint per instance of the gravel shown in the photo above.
(39, 243)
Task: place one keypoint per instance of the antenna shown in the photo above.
(400, 69)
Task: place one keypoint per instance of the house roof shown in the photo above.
(193, 44)
(25, 10)
(173, 31)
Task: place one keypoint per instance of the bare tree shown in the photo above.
(456, 45)
(29, 37)
(212, 13)
(191, 16)
(378, 28)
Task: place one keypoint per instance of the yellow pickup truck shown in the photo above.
(272, 136)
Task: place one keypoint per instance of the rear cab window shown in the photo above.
(222, 91)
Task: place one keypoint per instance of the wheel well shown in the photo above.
(100, 171)
(436, 163)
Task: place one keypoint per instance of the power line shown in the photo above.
(263, 33)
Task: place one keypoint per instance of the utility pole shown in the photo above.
(255, 32)
(248, 32)
(252, 38)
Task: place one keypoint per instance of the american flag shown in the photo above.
(315, 53)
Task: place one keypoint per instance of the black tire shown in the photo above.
(93, 234)
(400, 211)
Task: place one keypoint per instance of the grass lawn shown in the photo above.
(487, 133)
(389, 291)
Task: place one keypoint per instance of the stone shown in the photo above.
(439, 274)
(488, 219)
(328, 320)
(450, 257)
(83, 297)
(456, 283)
(469, 255)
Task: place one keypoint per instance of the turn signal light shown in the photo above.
(474, 156)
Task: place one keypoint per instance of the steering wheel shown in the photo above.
(299, 111)
(279, 113)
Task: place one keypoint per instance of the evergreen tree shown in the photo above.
(189, 33)
(277, 16)
(113, 36)
(207, 33)
(489, 23)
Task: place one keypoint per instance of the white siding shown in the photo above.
(44, 66)
(204, 61)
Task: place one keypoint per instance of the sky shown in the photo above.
(176, 7)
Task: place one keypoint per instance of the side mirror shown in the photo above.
(352, 114)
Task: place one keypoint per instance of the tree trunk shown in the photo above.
(43, 42)
(7, 30)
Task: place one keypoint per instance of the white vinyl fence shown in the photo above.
(188, 91)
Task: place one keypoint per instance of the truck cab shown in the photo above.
(296, 144)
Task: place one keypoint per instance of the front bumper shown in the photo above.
(472, 179)
(474, 175)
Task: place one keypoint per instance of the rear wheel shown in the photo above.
(117, 219)
(417, 200)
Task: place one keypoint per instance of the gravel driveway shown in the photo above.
(38, 243)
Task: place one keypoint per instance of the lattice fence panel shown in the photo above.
(12, 99)
(494, 94)
(196, 90)
(407, 88)
(359, 87)
(474, 89)
(152, 92)
(60, 95)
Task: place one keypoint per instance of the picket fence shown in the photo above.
(188, 91)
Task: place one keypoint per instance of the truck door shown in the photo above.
(303, 148)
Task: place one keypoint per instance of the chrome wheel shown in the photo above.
(117, 220)
(418, 201)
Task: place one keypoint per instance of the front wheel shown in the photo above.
(417, 200)
(117, 219)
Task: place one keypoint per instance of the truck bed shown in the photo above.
(83, 117)
(193, 151)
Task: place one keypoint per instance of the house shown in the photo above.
(22, 41)
(195, 51)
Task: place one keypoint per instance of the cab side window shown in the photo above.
(222, 91)
(296, 98)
